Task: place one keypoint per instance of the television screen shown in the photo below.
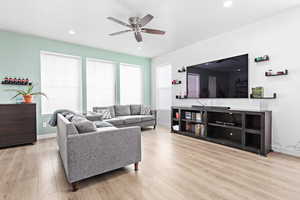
(226, 78)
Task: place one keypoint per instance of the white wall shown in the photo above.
(279, 37)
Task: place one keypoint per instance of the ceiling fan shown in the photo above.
(136, 25)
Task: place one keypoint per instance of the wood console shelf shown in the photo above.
(17, 124)
(247, 130)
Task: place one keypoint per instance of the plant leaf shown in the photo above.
(29, 89)
(22, 92)
(39, 93)
(15, 96)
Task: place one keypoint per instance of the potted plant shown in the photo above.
(27, 94)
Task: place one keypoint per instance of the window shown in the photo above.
(61, 81)
(131, 84)
(164, 87)
(100, 79)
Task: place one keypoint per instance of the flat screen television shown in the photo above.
(226, 78)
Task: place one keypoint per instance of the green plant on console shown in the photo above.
(27, 93)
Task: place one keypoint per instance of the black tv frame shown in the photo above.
(187, 96)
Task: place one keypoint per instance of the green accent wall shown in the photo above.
(20, 57)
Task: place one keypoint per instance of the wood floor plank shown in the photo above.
(173, 167)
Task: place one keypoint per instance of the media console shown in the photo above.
(247, 130)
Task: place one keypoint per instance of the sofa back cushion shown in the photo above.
(135, 109)
(122, 110)
(145, 110)
(107, 112)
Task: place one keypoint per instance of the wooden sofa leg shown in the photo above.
(136, 166)
(74, 186)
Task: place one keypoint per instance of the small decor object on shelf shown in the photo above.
(182, 70)
(262, 58)
(27, 94)
(176, 82)
(280, 73)
(177, 115)
(258, 92)
(16, 81)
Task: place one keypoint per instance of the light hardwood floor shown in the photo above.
(173, 167)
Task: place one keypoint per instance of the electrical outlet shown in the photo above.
(44, 124)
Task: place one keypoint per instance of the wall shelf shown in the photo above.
(280, 74)
(274, 97)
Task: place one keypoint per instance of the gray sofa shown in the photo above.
(88, 154)
(129, 115)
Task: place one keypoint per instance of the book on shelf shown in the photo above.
(198, 117)
(199, 130)
(188, 115)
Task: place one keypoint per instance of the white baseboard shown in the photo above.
(284, 150)
(46, 136)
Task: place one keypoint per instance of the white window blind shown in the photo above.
(61, 81)
(100, 78)
(164, 87)
(131, 84)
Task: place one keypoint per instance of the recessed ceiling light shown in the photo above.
(72, 32)
(227, 4)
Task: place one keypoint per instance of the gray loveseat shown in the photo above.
(88, 154)
(128, 115)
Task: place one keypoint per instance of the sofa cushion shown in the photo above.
(147, 118)
(122, 110)
(85, 126)
(115, 121)
(135, 109)
(102, 124)
(110, 108)
(131, 119)
(104, 112)
(145, 110)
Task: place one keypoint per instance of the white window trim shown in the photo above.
(80, 77)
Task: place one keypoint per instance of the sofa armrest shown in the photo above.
(102, 151)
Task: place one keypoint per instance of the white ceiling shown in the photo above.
(185, 21)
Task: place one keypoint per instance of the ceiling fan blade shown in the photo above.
(138, 36)
(145, 20)
(119, 22)
(120, 32)
(153, 31)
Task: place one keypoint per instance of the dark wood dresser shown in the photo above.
(17, 124)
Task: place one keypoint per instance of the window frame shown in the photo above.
(79, 58)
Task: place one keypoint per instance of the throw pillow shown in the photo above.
(85, 126)
(105, 113)
(145, 110)
(102, 124)
(123, 110)
(135, 109)
(93, 116)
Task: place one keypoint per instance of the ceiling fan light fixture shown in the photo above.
(228, 3)
(71, 32)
